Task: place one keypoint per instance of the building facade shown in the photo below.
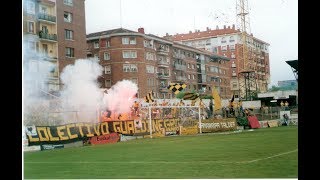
(226, 42)
(53, 36)
(153, 63)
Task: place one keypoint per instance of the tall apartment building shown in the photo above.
(153, 63)
(53, 32)
(225, 42)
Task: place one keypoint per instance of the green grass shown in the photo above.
(262, 153)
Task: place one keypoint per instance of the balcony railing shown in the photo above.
(180, 67)
(163, 88)
(164, 63)
(163, 76)
(46, 36)
(179, 56)
(47, 17)
(181, 78)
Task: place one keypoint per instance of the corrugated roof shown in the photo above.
(203, 34)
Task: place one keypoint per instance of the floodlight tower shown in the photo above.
(246, 66)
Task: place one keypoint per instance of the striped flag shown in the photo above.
(190, 96)
(149, 97)
(217, 99)
(176, 87)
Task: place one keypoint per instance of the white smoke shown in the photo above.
(35, 75)
(81, 90)
(120, 97)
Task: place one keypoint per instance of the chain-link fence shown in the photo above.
(52, 113)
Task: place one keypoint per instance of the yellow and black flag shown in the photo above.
(149, 97)
(176, 87)
(190, 96)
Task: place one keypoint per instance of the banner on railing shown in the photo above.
(219, 125)
(80, 131)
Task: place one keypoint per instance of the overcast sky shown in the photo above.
(273, 21)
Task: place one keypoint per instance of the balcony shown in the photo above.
(47, 37)
(233, 65)
(234, 74)
(179, 56)
(163, 88)
(47, 18)
(48, 2)
(162, 51)
(163, 76)
(181, 78)
(49, 58)
(163, 64)
(180, 67)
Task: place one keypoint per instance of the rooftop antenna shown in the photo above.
(120, 15)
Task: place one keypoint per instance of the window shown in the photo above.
(234, 85)
(106, 56)
(232, 47)
(107, 69)
(125, 40)
(192, 76)
(192, 66)
(69, 52)
(108, 44)
(132, 40)
(189, 76)
(67, 17)
(30, 27)
(31, 45)
(45, 49)
(129, 54)
(233, 55)
(150, 69)
(134, 80)
(68, 34)
(223, 40)
(97, 56)
(148, 44)
(108, 83)
(30, 7)
(130, 68)
(188, 65)
(223, 48)
(208, 42)
(231, 39)
(43, 9)
(163, 47)
(128, 40)
(96, 44)
(149, 56)
(68, 2)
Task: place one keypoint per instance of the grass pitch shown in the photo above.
(261, 153)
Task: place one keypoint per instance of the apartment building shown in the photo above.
(53, 34)
(153, 63)
(226, 42)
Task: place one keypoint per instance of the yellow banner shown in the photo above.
(217, 100)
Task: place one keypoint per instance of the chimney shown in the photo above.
(208, 29)
(251, 34)
(141, 30)
(217, 27)
(224, 27)
(167, 34)
(233, 27)
(190, 32)
(228, 27)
